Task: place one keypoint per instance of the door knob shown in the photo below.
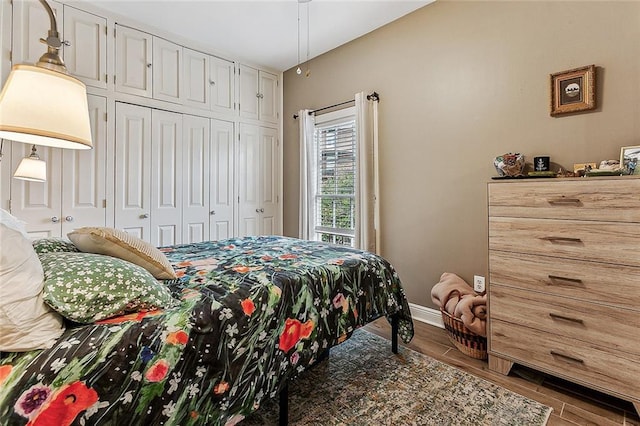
(149, 65)
(55, 219)
(144, 216)
(257, 210)
(69, 218)
(261, 210)
(211, 82)
(212, 212)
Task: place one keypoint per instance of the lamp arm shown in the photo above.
(51, 59)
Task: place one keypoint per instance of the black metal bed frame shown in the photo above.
(283, 419)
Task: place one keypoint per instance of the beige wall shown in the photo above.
(462, 82)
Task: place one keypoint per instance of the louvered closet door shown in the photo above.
(166, 178)
(38, 203)
(196, 175)
(133, 170)
(84, 175)
(222, 150)
(31, 23)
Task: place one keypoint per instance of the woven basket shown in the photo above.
(466, 341)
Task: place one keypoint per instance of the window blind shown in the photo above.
(337, 173)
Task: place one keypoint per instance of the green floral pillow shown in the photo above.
(54, 245)
(87, 287)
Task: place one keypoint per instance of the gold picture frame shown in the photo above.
(573, 90)
(629, 159)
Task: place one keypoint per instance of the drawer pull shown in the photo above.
(560, 317)
(562, 239)
(562, 200)
(570, 358)
(574, 281)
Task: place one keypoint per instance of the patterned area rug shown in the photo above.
(363, 383)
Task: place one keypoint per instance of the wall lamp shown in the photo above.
(43, 104)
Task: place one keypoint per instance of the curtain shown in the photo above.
(367, 199)
(308, 175)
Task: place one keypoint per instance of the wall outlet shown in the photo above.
(478, 283)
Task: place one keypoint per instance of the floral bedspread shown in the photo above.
(254, 312)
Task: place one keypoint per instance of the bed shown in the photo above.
(251, 314)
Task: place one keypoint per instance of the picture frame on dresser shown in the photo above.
(573, 90)
(629, 159)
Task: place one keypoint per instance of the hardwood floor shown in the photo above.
(572, 404)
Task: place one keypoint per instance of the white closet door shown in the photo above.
(84, 175)
(196, 79)
(195, 182)
(166, 178)
(269, 175)
(31, 21)
(249, 95)
(133, 61)
(133, 170)
(268, 97)
(167, 70)
(86, 54)
(222, 180)
(221, 82)
(248, 176)
(38, 203)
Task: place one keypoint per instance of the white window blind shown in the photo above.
(335, 198)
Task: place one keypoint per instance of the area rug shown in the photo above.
(363, 383)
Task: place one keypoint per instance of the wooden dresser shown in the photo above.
(564, 280)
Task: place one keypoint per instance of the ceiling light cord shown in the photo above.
(298, 70)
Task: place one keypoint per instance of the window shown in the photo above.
(335, 194)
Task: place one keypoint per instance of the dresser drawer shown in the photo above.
(595, 241)
(595, 282)
(613, 200)
(616, 372)
(613, 328)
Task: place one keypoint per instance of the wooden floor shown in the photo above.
(572, 404)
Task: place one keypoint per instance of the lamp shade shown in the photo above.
(44, 107)
(31, 168)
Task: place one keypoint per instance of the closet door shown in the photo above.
(166, 178)
(222, 168)
(133, 61)
(196, 179)
(133, 170)
(86, 54)
(221, 82)
(268, 97)
(84, 177)
(248, 176)
(196, 79)
(167, 70)
(269, 181)
(249, 93)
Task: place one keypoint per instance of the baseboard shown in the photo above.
(428, 315)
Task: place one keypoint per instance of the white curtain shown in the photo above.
(367, 192)
(308, 174)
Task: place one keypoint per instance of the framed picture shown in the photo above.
(629, 159)
(573, 90)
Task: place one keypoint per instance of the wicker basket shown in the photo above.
(467, 342)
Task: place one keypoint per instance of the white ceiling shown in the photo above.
(264, 32)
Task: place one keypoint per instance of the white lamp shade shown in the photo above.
(32, 169)
(43, 107)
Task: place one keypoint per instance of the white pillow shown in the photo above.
(26, 322)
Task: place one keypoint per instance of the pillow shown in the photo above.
(26, 322)
(87, 287)
(116, 243)
(54, 245)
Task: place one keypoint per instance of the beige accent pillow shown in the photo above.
(117, 243)
(26, 322)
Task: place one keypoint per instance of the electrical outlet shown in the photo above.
(478, 283)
